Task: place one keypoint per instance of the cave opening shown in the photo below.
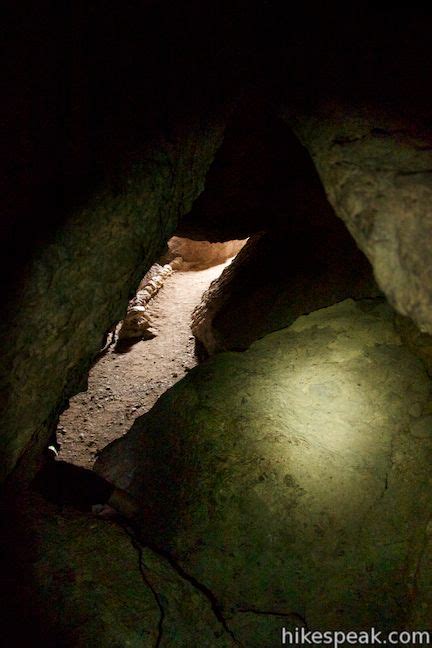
(145, 353)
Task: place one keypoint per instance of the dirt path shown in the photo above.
(123, 386)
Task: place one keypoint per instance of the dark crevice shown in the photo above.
(411, 173)
(342, 141)
(214, 603)
(287, 615)
(141, 566)
(166, 556)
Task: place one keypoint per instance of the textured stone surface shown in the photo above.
(199, 255)
(278, 277)
(86, 581)
(377, 172)
(78, 286)
(294, 479)
(137, 323)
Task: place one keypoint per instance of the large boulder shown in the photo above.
(293, 479)
(85, 581)
(279, 276)
(377, 171)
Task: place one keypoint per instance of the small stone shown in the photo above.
(174, 375)
(81, 436)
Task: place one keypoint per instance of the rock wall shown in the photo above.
(377, 171)
(87, 581)
(78, 286)
(279, 276)
(293, 480)
(199, 255)
(136, 323)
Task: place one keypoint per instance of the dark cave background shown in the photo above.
(87, 87)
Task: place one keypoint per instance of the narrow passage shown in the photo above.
(123, 386)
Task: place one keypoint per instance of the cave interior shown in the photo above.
(216, 376)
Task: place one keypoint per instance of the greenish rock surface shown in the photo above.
(376, 169)
(79, 285)
(85, 581)
(293, 480)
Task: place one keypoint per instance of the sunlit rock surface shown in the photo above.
(199, 255)
(293, 480)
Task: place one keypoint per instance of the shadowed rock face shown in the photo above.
(79, 285)
(279, 276)
(377, 173)
(294, 478)
(261, 178)
(109, 131)
(86, 581)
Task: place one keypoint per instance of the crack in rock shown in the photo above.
(288, 615)
(141, 566)
(214, 604)
(200, 587)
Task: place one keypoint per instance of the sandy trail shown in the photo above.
(123, 386)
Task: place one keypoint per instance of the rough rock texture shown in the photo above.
(137, 323)
(87, 581)
(199, 255)
(377, 172)
(276, 278)
(78, 286)
(293, 479)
